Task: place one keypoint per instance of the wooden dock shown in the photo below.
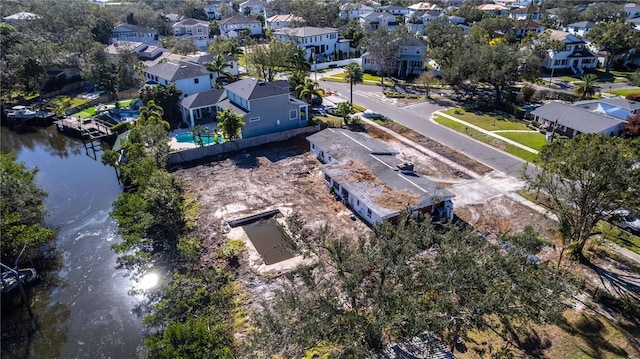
(86, 129)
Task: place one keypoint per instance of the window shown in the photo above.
(327, 178)
(293, 114)
(196, 81)
(563, 62)
(313, 147)
(254, 119)
(368, 212)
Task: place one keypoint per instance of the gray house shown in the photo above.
(267, 107)
(128, 32)
(369, 178)
(572, 120)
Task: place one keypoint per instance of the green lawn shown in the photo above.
(625, 92)
(91, 111)
(616, 235)
(534, 140)
(329, 121)
(368, 79)
(487, 122)
(509, 148)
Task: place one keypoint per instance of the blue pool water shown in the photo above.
(128, 114)
(207, 140)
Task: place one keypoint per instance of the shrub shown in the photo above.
(633, 97)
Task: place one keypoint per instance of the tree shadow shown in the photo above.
(592, 331)
(532, 344)
(625, 286)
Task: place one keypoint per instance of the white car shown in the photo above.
(623, 219)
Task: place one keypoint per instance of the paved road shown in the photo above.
(417, 117)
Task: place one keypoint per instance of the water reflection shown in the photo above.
(82, 308)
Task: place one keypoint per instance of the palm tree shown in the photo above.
(230, 123)
(299, 60)
(586, 89)
(353, 75)
(308, 90)
(151, 113)
(219, 65)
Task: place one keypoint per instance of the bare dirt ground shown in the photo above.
(286, 175)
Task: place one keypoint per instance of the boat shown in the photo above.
(20, 113)
(9, 282)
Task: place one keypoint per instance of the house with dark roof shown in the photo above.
(134, 33)
(573, 57)
(581, 28)
(321, 43)
(525, 27)
(196, 30)
(188, 77)
(409, 59)
(573, 119)
(230, 27)
(204, 59)
(266, 107)
(369, 178)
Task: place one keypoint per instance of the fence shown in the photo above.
(332, 64)
(199, 153)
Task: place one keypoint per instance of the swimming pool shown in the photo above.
(206, 139)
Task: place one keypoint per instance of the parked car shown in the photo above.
(623, 219)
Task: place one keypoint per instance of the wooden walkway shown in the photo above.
(87, 129)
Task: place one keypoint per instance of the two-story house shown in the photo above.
(525, 13)
(408, 59)
(321, 43)
(230, 27)
(525, 27)
(276, 22)
(581, 28)
(573, 57)
(188, 77)
(375, 20)
(416, 21)
(213, 8)
(350, 11)
(134, 33)
(252, 7)
(197, 30)
(266, 107)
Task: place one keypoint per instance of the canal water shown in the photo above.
(82, 309)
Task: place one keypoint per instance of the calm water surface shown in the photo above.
(82, 309)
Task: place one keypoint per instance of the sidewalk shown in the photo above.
(488, 133)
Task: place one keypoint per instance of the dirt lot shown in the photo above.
(287, 175)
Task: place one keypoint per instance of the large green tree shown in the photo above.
(270, 59)
(308, 90)
(400, 282)
(22, 209)
(585, 175)
(166, 97)
(353, 75)
(616, 38)
(382, 45)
